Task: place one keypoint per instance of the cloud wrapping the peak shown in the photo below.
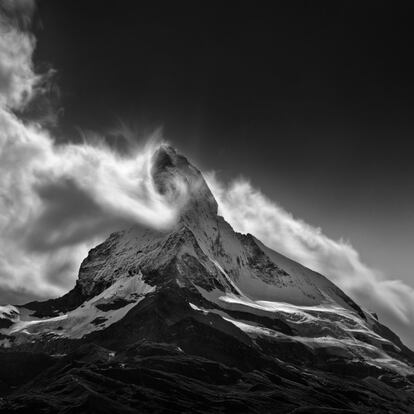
(250, 211)
(58, 200)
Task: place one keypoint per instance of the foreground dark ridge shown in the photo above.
(200, 319)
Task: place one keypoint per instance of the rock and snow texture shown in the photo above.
(222, 274)
(97, 313)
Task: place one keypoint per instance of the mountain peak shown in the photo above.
(174, 175)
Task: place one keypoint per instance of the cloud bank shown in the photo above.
(56, 201)
(250, 211)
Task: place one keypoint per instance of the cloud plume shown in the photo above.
(57, 200)
(250, 211)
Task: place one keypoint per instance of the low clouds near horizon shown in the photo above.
(249, 211)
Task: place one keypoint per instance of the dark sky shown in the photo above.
(313, 101)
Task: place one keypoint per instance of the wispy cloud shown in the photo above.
(17, 79)
(249, 211)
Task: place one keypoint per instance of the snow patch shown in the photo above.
(87, 317)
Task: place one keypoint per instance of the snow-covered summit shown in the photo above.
(170, 169)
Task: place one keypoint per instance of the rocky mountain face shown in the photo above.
(199, 319)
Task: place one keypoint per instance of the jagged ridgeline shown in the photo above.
(199, 319)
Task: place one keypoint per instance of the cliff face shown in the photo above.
(214, 315)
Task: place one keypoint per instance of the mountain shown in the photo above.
(199, 319)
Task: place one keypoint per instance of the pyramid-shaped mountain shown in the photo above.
(199, 319)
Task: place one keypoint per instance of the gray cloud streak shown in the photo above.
(250, 211)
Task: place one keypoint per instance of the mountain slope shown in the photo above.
(219, 314)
